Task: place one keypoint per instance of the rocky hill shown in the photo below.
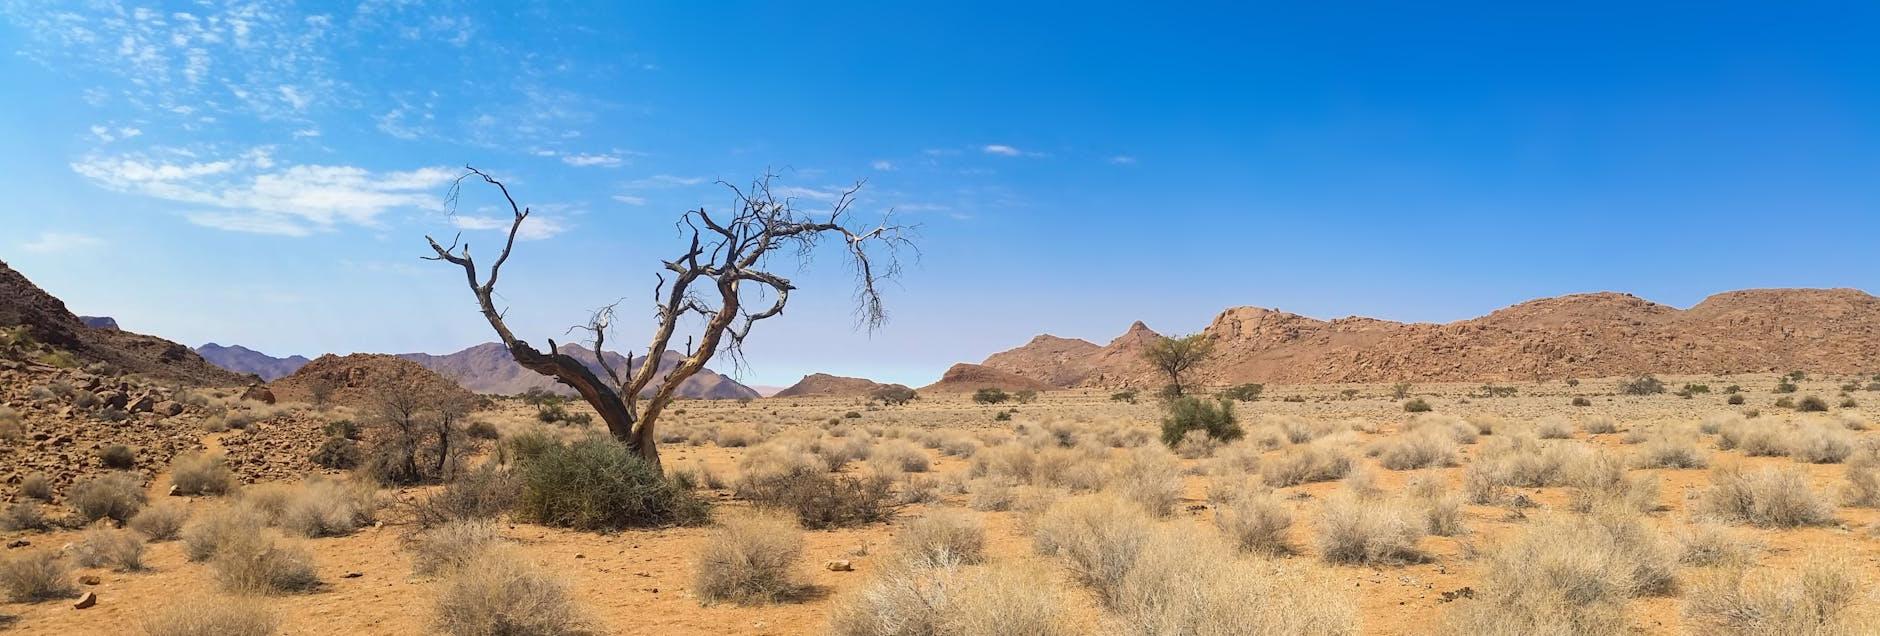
(488, 368)
(1834, 331)
(825, 385)
(966, 378)
(46, 320)
(359, 380)
(241, 359)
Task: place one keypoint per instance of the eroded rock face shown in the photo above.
(1582, 335)
(823, 384)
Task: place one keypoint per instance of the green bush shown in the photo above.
(1185, 414)
(341, 428)
(1736, 399)
(1642, 385)
(1243, 392)
(337, 453)
(1811, 404)
(1580, 401)
(1416, 406)
(600, 484)
(894, 395)
(1002, 416)
(1026, 396)
(823, 500)
(1785, 386)
(990, 396)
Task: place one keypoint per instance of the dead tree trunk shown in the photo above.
(724, 261)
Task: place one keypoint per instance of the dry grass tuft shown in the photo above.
(1306, 463)
(35, 575)
(119, 550)
(328, 508)
(1356, 531)
(750, 560)
(209, 531)
(1097, 535)
(949, 598)
(502, 594)
(1151, 477)
(161, 522)
(1182, 584)
(115, 496)
(1825, 597)
(1257, 523)
(256, 563)
(1769, 498)
(944, 533)
(211, 616)
(201, 474)
(444, 548)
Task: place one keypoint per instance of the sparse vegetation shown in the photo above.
(750, 559)
(1642, 385)
(115, 496)
(600, 484)
(30, 576)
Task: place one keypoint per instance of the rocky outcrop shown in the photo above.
(241, 359)
(966, 378)
(47, 321)
(825, 385)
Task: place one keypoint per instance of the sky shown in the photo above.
(264, 174)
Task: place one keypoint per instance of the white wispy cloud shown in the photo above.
(53, 241)
(1001, 150)
(882, 165)
(630, 199)
(1123, 160)
(251, 193)
(663, 181)
(608, 160)
(534, 228)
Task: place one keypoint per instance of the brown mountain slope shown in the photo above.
(825, 385)
(48, 321)
(966, 378)
(488, 368)
(1582, 335)
(358, 380)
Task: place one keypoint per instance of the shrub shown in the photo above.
(1708, 544)
(1553, 427)
(1441, 510)
(1642, 385)
(1580, 401)
(254, 563)
(990, 396)
(1668, 451)
(208, 532)
(1770, 498)
(1185, 414)
(117, 456)
(1025, 396)
(821, 500)
(1863, 482)
(1150, 477)
(485, 492)
(1825, 597)
(600, 484)
(161, 522)
(201, 474)
(115, 496)
(345, 429)
(1098, 536)
(1811, 404)
(1002, 416)
(210, 616)
(1256, 522)
(328, 508)
(444, 548)
(944, 534)
(101, 547)
(1126, 396)
(1736, 399)
(23, 515)
(36, 485)
(1785, 386)
(1243, 392)
(503, 594)
(750, 560)
(480, 429)
(1353, 531)
(1181, 585)
(1822, 444)
(948, 598)
(1785, 403)
(1306, 463)
(894, 395)
(1417, 405)
(1599, 425)
(1570, 575)
(1424, 448)
(35, 575)
(899, 455)
(337, 453)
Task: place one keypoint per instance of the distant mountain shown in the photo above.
(99, 322)
(825, 385)
(766, 390)
(241, 359)
(1832, 331)
(967, 378)
(489, 368)
(47, 320)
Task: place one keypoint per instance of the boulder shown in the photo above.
(259, 393)
(142, 404)
(168, 408)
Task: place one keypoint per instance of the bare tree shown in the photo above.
(1176, 356)
(723, 267)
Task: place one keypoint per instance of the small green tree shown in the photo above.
(894, 395)
(991, 395)
(1642, 385)
(1185, 414)
(1400, 390)
(1174, 357)
(1126, 396)
(1243, 392)
(1026, 396)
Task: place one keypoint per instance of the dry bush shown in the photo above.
(209, 531)
(900, 455)
(36, 485)
(1715, 423)
(1456, 428)
(1014, 462)
(108, 547)
(160, 522)
(1440, 509)
(1863, 482)
(1484, 482)
(35, 575)
(1568, 575)
(1769, 498)
(1298, 430)
(1306, 463)
(600, 484)
(821, 500)
(1098, 537)
(329, 508)
(256, 563)
(1665, 450)
(1553, 427)
(484, 492)
(1852, 421)
(835, 452)
(1425, 448)
(1599, 425)
(1766, 440)
(1151, 477)
(1181, 584)
(750, 560)
(1355, 531)
(23, 515)
(1708, 544)
(1822, 443)
(114, 495)
(990, 495)
(1256, 522)
(736, 436)
(502, 594)
(1825, 597)
(210, 616)
(1080, 469)
(942, 534)
(1196, 444)
(948, 598)
(445, 547)
(769, 462)
(201, 474)
(1599, 478)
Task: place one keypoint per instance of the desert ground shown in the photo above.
(1336, 512)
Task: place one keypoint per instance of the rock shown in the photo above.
(175, 491)
(90, 579)
(88, 600)
(352, 575)
(142, 404)
(259, 393)
(840, 565)
(113, 399)
(18, 543)
(169, 408)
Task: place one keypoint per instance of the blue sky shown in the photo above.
(264, 174)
